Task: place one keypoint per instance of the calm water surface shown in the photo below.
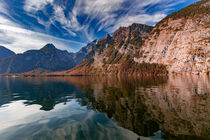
(105, 108)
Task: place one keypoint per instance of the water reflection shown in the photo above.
(179, 106)
(46, 92)
(152, 107)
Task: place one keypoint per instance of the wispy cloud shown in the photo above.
(35, 5)
(143, 19)
(111, 14)
(67, 23)
(19, 39)
(3, 8)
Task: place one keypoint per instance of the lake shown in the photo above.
(105, 108)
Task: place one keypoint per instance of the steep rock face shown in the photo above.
(114, 54)
(181, 41)
(80, 55)
(5, 53)
(46, 59)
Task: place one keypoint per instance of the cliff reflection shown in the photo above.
(179, 106)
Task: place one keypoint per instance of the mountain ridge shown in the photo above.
(5, 52)
(113, 54)
(177, 44)
(47, 59)
(181, 41)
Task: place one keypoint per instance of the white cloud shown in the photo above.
(97, 9)
(4, 21)
(35, 5)
(3, 7)
(105, 12)
(20, 40)
(143, 19)
(101, 10)
(68, 24)
(59, 16)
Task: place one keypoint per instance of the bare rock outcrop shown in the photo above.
(181, 41)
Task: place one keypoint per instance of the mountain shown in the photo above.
(80, 55)
(178, 43)
(181, 41)
(48, 58)
(4, 52)
(114, 54)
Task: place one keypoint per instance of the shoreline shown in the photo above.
(108, 74)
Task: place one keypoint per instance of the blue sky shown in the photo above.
(71, 24)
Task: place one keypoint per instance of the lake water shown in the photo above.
(105, 108)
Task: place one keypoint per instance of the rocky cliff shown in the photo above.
(178, 43)
(115, 54)
(80, 55)
(181, 41)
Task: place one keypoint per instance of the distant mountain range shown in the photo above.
(178, 43)
(47, 59)
(5, 53)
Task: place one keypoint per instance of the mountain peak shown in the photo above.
(4, 52)
(107, 36)
(137, 24)
(48, 46)
(4, 48)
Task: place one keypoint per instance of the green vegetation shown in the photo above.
(145, 68)
(194, 12)
(191, 11)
